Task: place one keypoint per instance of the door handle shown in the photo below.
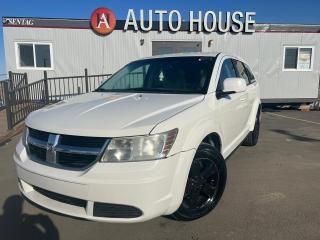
(244, 98)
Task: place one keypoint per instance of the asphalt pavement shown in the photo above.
(272, 192)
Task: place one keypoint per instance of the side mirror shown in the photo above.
(232, 85)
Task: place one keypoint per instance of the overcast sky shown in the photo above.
(268, 11)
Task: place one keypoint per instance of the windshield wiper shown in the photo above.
(121, 90)
(161, 90)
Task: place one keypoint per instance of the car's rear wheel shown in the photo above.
(253, 136)
(205, 185)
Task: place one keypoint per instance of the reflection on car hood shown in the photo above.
(110, 114)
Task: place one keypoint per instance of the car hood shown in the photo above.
(110, 114)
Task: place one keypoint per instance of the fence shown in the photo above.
(21, 98)
(15, 80)
(2, 94)
(60, 88)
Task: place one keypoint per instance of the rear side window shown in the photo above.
(250, 74)
(241, 70)
(227, 71)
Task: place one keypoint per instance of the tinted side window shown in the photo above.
(242, 71)
(250, 74)
(227, 71)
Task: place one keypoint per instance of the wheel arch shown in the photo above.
(184, 166)
(256, 109)
(214, 140)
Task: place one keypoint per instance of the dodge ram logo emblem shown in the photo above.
(50, 147)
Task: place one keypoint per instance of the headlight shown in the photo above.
(139, 148)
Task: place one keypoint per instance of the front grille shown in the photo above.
(66, 151)
(75, 160)
(78, 141)
(43, 136)
(115, 210)
(61, 198)
(38, 152)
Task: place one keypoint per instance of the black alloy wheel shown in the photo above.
(253, 136)
(205, 185)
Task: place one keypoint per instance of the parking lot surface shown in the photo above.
(272, 192)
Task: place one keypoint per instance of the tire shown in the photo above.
(253, 136)
(205, 185)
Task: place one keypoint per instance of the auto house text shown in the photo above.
(208, 21)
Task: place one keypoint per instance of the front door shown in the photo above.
(231, 109)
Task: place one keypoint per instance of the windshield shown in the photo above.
(190, 75)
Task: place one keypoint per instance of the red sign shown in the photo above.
(103, 21)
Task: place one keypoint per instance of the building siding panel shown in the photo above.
(77, 49)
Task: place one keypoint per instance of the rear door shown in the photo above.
(252, 88)
(244, 72)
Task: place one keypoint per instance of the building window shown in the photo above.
(34, 56)
(298, 58)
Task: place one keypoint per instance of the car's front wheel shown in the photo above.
(205, 185)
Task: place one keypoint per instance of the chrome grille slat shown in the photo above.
(77, 150)
(37, 142)
(38, 134)
(65, 151)
(38, 153)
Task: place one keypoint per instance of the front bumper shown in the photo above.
(154, 187)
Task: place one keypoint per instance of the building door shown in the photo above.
(165, 47)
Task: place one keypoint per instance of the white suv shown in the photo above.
(150, 141)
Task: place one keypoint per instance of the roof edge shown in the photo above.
(75, 23)
(87, 19)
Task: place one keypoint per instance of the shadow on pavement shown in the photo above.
(273, 107)
(16, 225)
(295, 137)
